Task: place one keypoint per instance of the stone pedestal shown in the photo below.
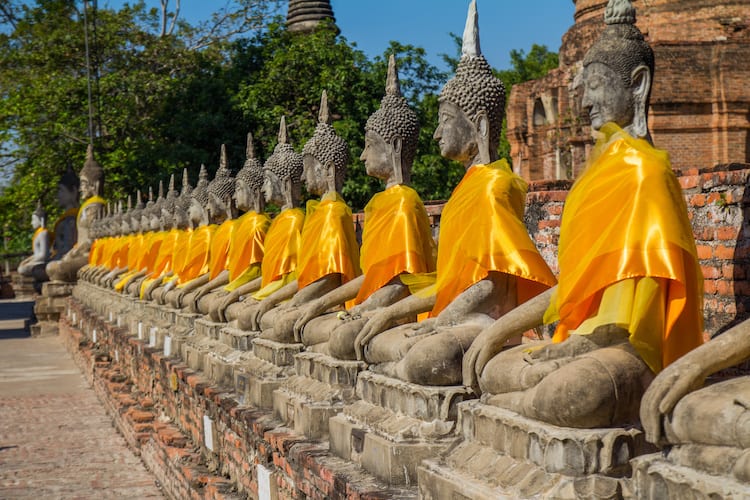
(672, 475)
(395, 425)
(261, 372)
(319, 390)
(505, 455)
(242, 340)
(49, 306)
(23, 286)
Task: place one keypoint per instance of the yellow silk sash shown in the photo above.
(91, 201)
(246, 247)
(624, 218)
(219, 252)
(396, 239)
(482, 230)
(328, 244)
(282, 245)
(196, 262)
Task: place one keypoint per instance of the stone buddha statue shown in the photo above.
(329, 252)
(628, 301)
(91, 189)
(246, 249)
(487, 263)
(65, 226)
(282, 186)
(396, 239)
(40, 243)
(222, 211)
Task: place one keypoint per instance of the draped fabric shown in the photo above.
(246, 248)
(282, 245)
(95, 254)
(180, 255)
(328, 245)
(91, 201)
(136, 249)
(219, 251)
(151, 250)
(482, 230)
(253, 271)
(396, 239)
(71, 212)
(626, 219)
(163, 262)
(120, 252)
(196, 262)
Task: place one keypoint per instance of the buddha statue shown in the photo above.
(173, 250)
(629, 296)
(487, 263)
(221, 211)
(329, 252)
(282, 186)
(91, 188)
(65, 227)
(40, 243)
(245, 253)
(396, 239)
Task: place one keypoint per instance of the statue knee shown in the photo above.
(436, 360)
(341, 343)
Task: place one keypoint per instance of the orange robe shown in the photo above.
(396, 239)
(282, 245)
(329, 245)
(626, 219)
(482, 230)
(219, 250)
(196, 260)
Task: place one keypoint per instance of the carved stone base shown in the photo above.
(44, 329)
(319, 390)
(261, 372)
(53, 301)
(657, 476)
(505, 455)
(236, 338)
(395, 425)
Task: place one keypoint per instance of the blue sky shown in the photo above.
(504, 24)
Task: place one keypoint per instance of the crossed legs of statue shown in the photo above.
(426, 356)
(278, 323)
(327, 334)
(588, 381)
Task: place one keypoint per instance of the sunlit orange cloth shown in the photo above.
(151, 250)
(625, 218)
(95, 254)
(246, 247)
(328, 245)
(282, 245)
(120, 254)
(107, 249)
(196, 262)
(482, 230)
(396, 239)
(219, 252)
(163, 262)
(137, 247)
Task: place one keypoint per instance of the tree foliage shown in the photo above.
(168, 94)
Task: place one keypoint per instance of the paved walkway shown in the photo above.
(56, 441)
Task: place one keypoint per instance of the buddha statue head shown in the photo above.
(135, 214)
(198, 208)
(282, 172)
(92, 176)
(248, 188)
(67, 189)
(325, 155)
(221, 191)
(39, 216)
(617, 73)
(182, 203)
(154, 216)
(391, 134)
(167, 208)
(472, 104)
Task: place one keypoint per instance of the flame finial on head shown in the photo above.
(470, 46)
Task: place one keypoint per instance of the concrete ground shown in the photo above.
(56, 441)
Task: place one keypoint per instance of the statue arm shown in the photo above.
(689, 373)
(390, 316)
(221, 280)
(335, 297)
(234, 296)
(285, 292)
(491, 341)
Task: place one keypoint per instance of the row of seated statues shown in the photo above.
(627, 301)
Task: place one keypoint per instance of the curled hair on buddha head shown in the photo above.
(182, 203)
(325, 145)
(284, 163)
(621, 45)
(69, 179)
(222, 186)
(475, 88)
(395, 118)
(200, 193)
(92, 171)
(252, 171)
(171, 197)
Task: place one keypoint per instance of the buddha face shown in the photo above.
(456, 133)
(377, 156)
(216, 207)
(195, 212)
(36, 221)
(272, 188)
(605, 97)
(155, 222)
(67, 196)
(243, 197)
(88, 188)
(314, 175)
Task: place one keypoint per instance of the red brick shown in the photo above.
(139, 416)
(724, 252)
(704, 252)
